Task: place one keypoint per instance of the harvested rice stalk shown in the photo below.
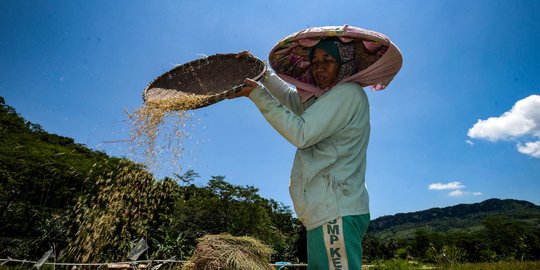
(226, 252)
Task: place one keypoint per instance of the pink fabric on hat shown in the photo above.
(378, 75)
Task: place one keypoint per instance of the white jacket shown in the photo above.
(332, 134)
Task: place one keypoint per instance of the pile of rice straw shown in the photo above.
(226, 252)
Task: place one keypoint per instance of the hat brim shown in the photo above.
(289, 58)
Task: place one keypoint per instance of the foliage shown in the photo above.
(500, 239)
(399, 264)
(41, 177)
(57, 193)
(396, 264)
(375, 248)
(91, 207)
(489, 231)
(445, 256)
(503, 265)
(221, 207)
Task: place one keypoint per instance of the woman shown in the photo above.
(331, 130)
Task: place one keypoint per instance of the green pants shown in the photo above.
(337, 244)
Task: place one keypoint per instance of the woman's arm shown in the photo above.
(280, 90)
(329, 114)
(283, 92)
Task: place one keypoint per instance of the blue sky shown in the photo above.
(459, 124)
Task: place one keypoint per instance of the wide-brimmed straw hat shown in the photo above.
(377, 59)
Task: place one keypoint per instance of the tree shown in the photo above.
(503, 236)
(420, 244)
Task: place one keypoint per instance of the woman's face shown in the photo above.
(324, 69)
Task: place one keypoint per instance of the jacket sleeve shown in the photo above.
(329, 114)
(283, 92)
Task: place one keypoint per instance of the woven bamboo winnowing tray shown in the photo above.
(214, 78)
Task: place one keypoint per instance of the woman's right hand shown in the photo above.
(249, 85)
(245, 54)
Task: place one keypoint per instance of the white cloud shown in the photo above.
(459, 192)
(455, 186)
(469, 142)
(521, 122)
(450, 185)
(523, 119)
(530, 148)
(456, 193)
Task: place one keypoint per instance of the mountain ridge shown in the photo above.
(460, 217)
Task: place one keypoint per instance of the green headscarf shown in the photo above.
(329, 46)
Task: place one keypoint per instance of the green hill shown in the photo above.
(458, 218)
(55, 192)
(491, 230)
(41, 174)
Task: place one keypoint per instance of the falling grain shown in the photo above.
(158, 128)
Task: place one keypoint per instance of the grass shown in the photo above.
(396, 264)
(497, 266)
(399, 264)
